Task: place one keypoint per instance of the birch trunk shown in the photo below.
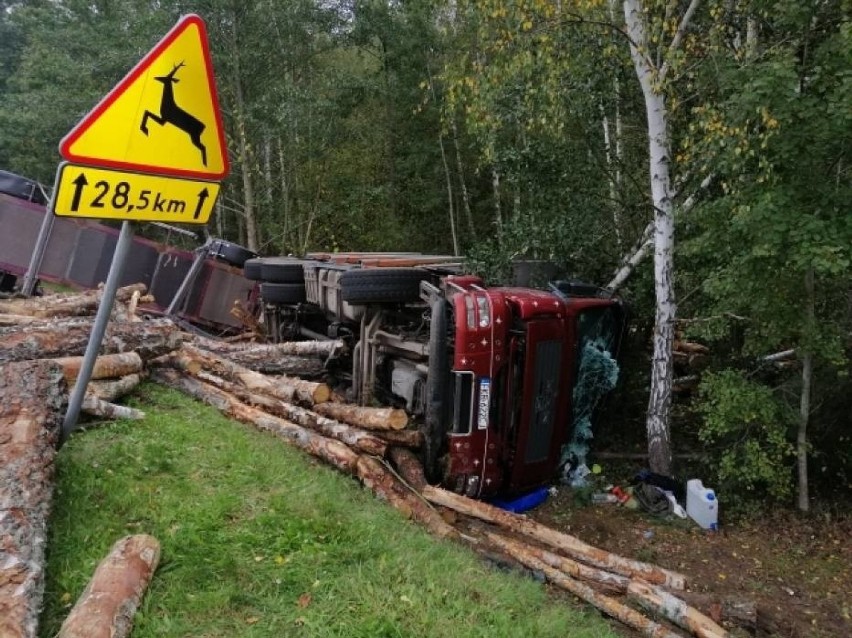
(805, 400)
(242, 141)
(650, 79)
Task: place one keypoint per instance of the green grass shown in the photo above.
(258, 540)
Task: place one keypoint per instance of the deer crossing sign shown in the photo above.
(162, 118)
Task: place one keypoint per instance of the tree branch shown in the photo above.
(678, 37)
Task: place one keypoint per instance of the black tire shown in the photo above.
(437, 389)
(251, 269)
(282, 270)
(381, 285)
(275, 293)
(232, 254)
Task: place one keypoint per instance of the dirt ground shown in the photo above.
(798, 570)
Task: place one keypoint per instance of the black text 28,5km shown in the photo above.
(101, 193)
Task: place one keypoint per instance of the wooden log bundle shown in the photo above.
(65, 305)
(107, 606)
(30, 418)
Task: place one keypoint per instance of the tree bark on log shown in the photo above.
(564, 542)
(389, 488)
(359, 439)
(194, 360)
(333, 452)
(77, 304)
(107, 605)
(98, 407)
(288, 348)
(409, 467)
(365, 417)
(288, 364)
(30, 419)
(308, 391)
(107, 366)
(606, 604)
(148, 338)
(675, 609)
(404, 438)
(112, 389)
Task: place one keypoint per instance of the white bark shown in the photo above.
(636, 256)
(651, 80)
(805, 401)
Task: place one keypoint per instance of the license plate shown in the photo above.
(484, 403)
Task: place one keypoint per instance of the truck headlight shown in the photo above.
(484, 312)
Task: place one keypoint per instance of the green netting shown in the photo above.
(596, 375)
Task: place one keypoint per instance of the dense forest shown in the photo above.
(692, 154)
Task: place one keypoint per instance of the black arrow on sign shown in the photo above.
(79, 183)
(203, 195)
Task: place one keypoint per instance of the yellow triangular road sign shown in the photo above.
(163, 117)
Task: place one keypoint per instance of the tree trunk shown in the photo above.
(112, 389)
(107, 606)
(252, 242)
(358, 439)
(65, 305)
(287, 348)
(107, 366)
(659, 402)
(365, 417)
(97, 407)
(333, 452)
(675, 610)
(389, 488)
(805, 399)
(149, 339)
(404, 438)
(33, 399)
(569, 544)
(609, 606)
(409, 467)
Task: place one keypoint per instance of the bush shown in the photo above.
(745, 429)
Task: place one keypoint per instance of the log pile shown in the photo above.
(262, 385)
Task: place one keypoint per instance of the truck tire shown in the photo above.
(251, 269)
(282, 270)
(437, 387)
(276, 293)
(232, 254)
(381, 285)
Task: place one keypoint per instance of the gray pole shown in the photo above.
(192, 273)
(98, 329)
(41, 244)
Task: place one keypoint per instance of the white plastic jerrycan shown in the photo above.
(701, 504)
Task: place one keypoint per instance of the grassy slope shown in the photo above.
(258, 540)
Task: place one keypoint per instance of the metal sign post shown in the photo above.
(98, 329)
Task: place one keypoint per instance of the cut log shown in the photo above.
(409, 467)
(309, 367)
(33, 400)
(297, 348)
(613, 583)
(389, 488)
(365, 417)
(107, 606)
(65, 305)
(112, 389)
(569, 544)
(606, 604)
(308, 391)
(334, 452)
(194, 360)
(98, 407)
(404, 438)
(674, 609)
(107, 366)
(353, 437)
(148, 338)
(17, 320)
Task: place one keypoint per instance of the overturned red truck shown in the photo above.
(489, 373)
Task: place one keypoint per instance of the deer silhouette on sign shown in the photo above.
(171, 113)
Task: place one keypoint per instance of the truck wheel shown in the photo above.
(437, 387)
(232, 254)
(251, 269)
(275, 293)
(282, 270)
(381, 285)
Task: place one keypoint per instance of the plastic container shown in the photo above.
(701, 504)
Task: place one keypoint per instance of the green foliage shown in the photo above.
(745, 430)
(258, 540)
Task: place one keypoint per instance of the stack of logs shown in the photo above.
(372, 444)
